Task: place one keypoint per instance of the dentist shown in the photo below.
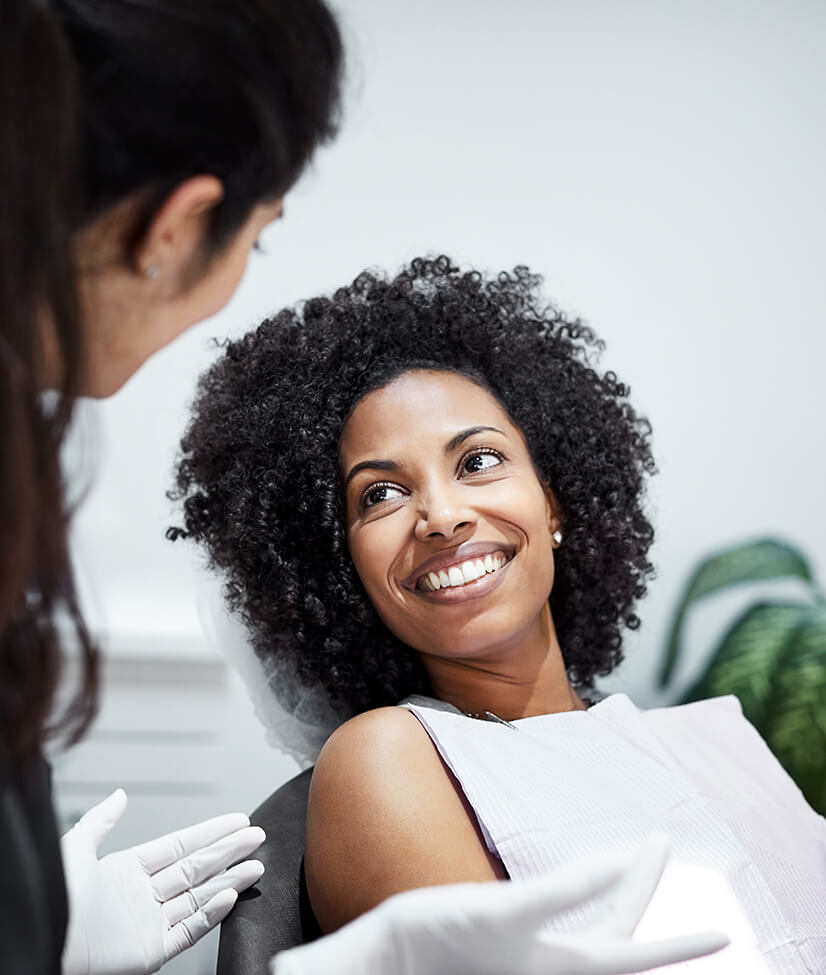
(144, 146)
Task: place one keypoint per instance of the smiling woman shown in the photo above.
(271, 444)
(421, 489)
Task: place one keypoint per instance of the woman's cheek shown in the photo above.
(523, 505)
(370, 550)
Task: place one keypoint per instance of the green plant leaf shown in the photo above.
(750, 562)
(795, 721)
(746, 660)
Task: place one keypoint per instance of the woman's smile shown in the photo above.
(467, 571)
(470, 581)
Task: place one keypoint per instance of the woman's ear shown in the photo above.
(553, 514)
(173, 243)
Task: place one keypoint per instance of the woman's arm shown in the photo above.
(385, 815)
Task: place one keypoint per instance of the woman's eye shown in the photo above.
(481, 461)
(380, 493)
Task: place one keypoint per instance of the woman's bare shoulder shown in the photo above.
(383, 730)
(385, 815)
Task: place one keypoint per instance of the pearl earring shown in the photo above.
(152, 271)
(557, 537)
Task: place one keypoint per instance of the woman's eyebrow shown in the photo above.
(461, 437)
(391, 465)
(374, 465)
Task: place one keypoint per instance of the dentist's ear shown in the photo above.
(171, 248)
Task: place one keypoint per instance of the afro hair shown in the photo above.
(260, 484)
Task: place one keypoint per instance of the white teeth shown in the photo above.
(469, 571)
(461, 575)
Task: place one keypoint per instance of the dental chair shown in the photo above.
(275, 914)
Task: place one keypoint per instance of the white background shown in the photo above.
(660, 162)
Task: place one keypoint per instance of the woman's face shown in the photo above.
(448, 525)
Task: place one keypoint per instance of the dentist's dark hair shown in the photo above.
(37, 183)
(243, 90)
(103, 103)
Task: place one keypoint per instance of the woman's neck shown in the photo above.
(519, 681)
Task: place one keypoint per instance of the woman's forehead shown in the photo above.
(419, 408)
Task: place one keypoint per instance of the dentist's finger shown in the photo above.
(203, 864)
(156, 854)
(628, 956)
(98, 822)
(529, 903)
(628, 900)
(184, 934)
(238, 878)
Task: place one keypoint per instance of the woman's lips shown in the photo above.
(469, 569)
(469, 590)
(455, 557)
(461, 574)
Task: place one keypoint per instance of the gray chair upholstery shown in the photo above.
(274, 914)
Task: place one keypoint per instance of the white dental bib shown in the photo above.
(748, 852)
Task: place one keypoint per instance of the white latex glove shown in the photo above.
(496, 928)
(131, 911)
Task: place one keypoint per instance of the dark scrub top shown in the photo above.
(33, 910)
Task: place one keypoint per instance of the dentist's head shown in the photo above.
(197, 116)
(146, 144)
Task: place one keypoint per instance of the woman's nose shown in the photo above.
(443, 511)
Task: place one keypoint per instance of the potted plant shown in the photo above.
(773, 657)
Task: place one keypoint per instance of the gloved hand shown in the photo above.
(133, 910)
(496, 928)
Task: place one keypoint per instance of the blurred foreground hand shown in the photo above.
(131, 911)
(497, 928)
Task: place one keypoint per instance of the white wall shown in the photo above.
(661, 162)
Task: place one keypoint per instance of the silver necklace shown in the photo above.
(489, 716)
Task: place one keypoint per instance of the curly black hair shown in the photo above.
(261, 489)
